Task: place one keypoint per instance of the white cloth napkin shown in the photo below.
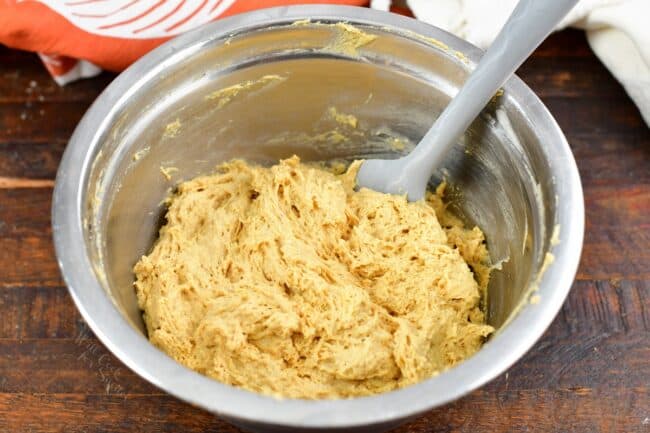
(617, 30)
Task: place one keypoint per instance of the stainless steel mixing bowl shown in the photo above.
(512, 174)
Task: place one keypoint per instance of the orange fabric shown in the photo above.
(249, 5)
(32, 25)
(58, 65)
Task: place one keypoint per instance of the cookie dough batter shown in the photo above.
(285, 281)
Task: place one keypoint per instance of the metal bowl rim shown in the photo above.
(138, 354)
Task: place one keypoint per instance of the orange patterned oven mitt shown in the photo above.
(78, 38)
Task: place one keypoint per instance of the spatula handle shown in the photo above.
(529, 24)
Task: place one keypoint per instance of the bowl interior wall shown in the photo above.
(396, 88)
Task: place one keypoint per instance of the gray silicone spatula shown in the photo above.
(527, 27)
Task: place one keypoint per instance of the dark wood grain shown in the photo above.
(30, 159)
(19, 208)
(23, 79)
(590, 372)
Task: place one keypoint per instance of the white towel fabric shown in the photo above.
(617, 30)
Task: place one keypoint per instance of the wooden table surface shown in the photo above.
(590, 372)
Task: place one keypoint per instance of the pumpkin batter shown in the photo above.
(287, 282)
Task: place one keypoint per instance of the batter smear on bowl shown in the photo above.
(288, 282)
